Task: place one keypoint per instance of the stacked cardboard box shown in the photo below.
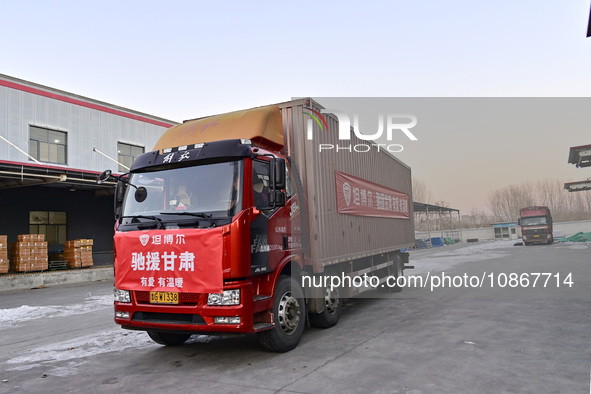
(3, 254)
(78, 253)
(29, 253)
(73, 254)
(86, 246)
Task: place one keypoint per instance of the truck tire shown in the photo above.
(168, 339)
(289, 311)
(333, 307)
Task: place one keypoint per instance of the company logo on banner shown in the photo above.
(347, 193)
(356, 196)
(144, 239)
(187, 260)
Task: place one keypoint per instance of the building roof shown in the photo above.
(580, 156)
(422, 207)
(60, 95)
(578, 186)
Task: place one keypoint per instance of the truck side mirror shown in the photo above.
(105, 175)
(277, 173)
(519, 222)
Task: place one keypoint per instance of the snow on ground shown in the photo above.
(79, 348)
(10, 318)
(66, 357)
(573, 245)
(441, 261)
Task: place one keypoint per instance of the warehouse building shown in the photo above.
(53, 144)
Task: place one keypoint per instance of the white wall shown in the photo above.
(571, 228)
(85, 127)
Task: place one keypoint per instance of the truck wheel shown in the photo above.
(168, 339)
(289, 310)
(333, 307)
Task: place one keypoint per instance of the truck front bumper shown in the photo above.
(537, 239)
(191, 315)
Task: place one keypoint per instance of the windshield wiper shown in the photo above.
(195, 214)
(157, 219)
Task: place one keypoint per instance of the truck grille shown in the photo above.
(168, 318)
(143, 297)
(540, 231)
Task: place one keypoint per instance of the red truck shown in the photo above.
(536, 225)
(241, 223)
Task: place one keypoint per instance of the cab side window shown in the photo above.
(289, 188)
(260, 184)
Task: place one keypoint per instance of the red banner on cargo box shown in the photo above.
(356, 196)
(185, 260)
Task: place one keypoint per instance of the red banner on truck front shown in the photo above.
(184, 260)
(356, 196)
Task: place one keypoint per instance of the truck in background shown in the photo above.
(222, 224)
(536, 225)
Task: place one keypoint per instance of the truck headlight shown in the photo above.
(121, 315)
(122, 295)
(228, 297)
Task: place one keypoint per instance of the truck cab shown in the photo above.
(186, 217)
(536, 225)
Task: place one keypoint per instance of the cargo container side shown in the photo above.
(335, 237)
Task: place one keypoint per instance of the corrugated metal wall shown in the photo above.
(337, 237)
(85, 127)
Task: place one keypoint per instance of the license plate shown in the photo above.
(164, 297)
(536, 236)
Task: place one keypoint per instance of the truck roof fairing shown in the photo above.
(262, 125)
(534, 211)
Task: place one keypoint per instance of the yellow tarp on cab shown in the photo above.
(261, 125)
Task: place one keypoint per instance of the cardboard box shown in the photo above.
(86, 242)
(74, 263)
(72, 244)
(78, 253)
(21, 264)
(28, 254)
(23, 238)
(21, 252)
(69, 253)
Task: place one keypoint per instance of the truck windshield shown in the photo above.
(535, 221)
(211, 189)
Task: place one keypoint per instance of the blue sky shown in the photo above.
(185, 59)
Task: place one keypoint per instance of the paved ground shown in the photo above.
(499, 339)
